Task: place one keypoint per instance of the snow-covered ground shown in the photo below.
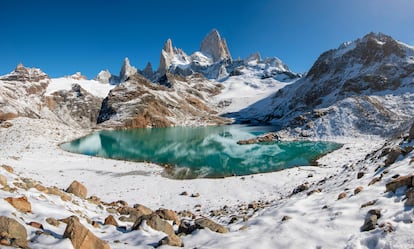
(94, 87)
(315, 221)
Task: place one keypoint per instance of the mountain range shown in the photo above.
(362, 87)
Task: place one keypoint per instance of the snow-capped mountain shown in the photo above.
(364, 86)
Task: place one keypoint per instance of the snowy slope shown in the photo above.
(94, 87)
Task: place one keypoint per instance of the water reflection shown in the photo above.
(201, 151)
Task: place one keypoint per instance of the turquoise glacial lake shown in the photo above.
(202, 151)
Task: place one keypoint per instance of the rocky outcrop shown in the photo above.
(139, 103)
(77, 189)
(75, 107)
(106, 77)
(12, 233)
(126, 71)
(81, 237)
(215, 47)
(24, 74)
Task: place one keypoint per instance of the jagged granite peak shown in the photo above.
(25, 74)
(148, 72)
(106, 77)
(126, 70)
(216, 47)
(165, 57)
(168, 48)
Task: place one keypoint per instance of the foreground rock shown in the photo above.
(401, 181)
(202, 223)
(77, 189)
(20, 203)
(155, 222)
(81, 237)
(371, 220)
(12, 233)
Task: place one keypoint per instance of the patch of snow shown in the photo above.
(94, 87)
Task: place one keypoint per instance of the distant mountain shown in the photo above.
(365, 86)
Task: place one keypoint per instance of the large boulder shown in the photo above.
(155, 222)
(400, 182)
(20, 203)
(12, 233)
(81, 237)
(77, 189)
(167, 214)
(202, 223)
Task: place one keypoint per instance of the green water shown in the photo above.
(201, 151)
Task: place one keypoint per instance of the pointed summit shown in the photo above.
(168, 47)
(215, 47)
(126, 70)
(167, 53)
(148, 72)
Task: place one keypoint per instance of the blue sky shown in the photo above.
(63, 37)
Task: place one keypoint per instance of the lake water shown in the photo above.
(201, 151)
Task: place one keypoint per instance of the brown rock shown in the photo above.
(94, 200)
(155, 222)
(370, 203)
(77, 189)
(58, 192)
(81, 237)
(12, 233)
(6, 124)
(399, 182)
(143, 209)
(375, 180)
(358, 189)
(95, 224)
(41, 188)
(21, 204)
(202, 223)
(167, 214)
(342, 195)
(110, 220)
(393, 156)
(35, 225)
(410, 197)
(171, 240)
(371, 220)
(3, 180)
(53, 222)
(7, 168)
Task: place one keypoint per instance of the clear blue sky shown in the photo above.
(63, 37)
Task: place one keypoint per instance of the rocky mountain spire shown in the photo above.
(215, 47)
(167, 53)
(148, 72)
(126, 70)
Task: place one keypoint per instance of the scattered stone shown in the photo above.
(387, 226)
(35, 225)
(3, 180)
(53, 222)
(186, 227)
(375, 180)
(171, 240)
(399, 182)
(371, 220)
(155, 222)
(119, 203)
(81, 237)
(21, 204)
(143, 209)
(358, 189)
(6, 124)
(310, 175)
(184, 193)
(8, 168)
(253, 205)
(111, 210)
(393, 156)
(12, 233)
(94, 200)
(202, 223)
(342, 195)
(186, 213)
(360, 175)
(410, 197)
(95, 224)
(110, 220)
(77, 189)
(286, 218)
(58, 192)
(195, 195)
(301, 188)
(167, 214)
(314, 191)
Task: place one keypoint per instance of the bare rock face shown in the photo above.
(126, 70)
(77, 189)
(216, 47)
(81, 237)
(165, 58)
(24, 74)
(12, 233)
(21, 204)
